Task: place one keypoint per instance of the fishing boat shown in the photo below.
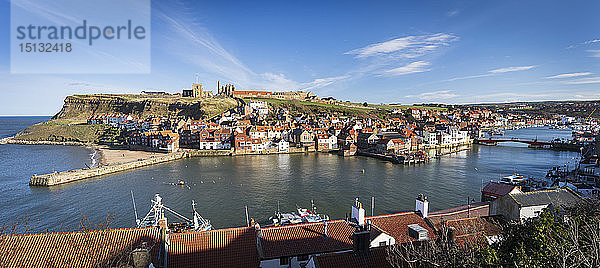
(158, 210)
(301, 215)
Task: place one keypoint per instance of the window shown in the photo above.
(382, 243)
(284, 261)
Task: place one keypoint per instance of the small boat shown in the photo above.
(514, 179)
(158, 210)
(301, 215)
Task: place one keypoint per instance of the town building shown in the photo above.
(522, 206)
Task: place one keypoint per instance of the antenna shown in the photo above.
(372, 204)
(134, 209)
(247, 220)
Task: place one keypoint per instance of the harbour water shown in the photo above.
(223, 186)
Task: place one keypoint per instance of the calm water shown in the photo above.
(222, 186)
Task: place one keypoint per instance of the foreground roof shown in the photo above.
(479, 209)
(396, 225)
(558, 197)
(74, 249)
(301, 239)
(234, 247)
(377, 257)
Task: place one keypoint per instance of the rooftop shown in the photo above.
(74, 249)
(377, 257)
(498, 189)
(234, 247)
(558, 197)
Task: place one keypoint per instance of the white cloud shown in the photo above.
(453, 13)
(569, 75)
(591, 41)
(492, 72)
(407, 47)
(511, 69)
(413, 67)
(591, 80)
(323, 82)
(467, 77)
(194, 44)
(595, 53)
(441, 94)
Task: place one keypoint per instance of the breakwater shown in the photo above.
(12, 140)
(80, 174)
(57, 178)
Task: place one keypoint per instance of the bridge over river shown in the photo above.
(533, 143)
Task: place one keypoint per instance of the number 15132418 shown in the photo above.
(45, 47)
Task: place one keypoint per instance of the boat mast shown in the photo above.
(137, 221)
(195, 215)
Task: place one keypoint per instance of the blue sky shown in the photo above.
(384, 52)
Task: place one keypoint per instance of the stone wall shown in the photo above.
(80, 174)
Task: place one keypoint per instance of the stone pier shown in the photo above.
(80, 174)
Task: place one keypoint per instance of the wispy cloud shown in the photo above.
(440, 94)
(591, 41)
(595, 53)
(406, 47)
(511, 69)
(568, 75)
(453, 13)
(588, 42)
(323, 82)
(591, 80)
(467, 77)
(194, 44)
(492, 72)
(413, 67)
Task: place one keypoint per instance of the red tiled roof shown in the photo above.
(253, 92)
(377, 257)
(396, 225)
(302, 239)
(234, 247)
(480, 209)
(472, 226)
(498, 189)
(73, 249)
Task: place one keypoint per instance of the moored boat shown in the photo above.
(514, 179)
(158, 210)
(301, 215)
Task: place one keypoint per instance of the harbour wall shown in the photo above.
(80, 174)
(57, 178)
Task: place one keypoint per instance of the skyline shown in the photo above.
(453, 53)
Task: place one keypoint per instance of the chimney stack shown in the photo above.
(358, 213)
(422, 205)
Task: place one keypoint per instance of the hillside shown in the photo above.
(141, 106)
(64, 130)
(69, 125)
(307, 107)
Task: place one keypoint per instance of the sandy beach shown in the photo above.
(111, 156)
